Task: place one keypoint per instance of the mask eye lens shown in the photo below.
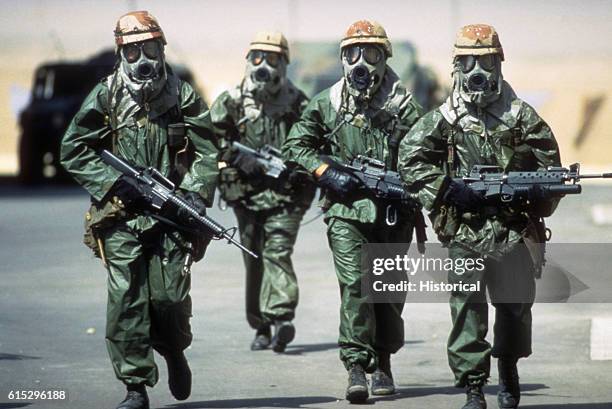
(150, 49)
(131, 52)
(487, 61)
(372, 55)
(272, 59)
(352, 55)
(256, 57)
(466, 63)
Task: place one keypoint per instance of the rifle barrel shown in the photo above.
(607, 175)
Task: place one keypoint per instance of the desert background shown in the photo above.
(558, 52)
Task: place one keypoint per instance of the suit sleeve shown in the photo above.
(544, 149)
(421, 157)
(81, 142)
(202, 175)
(306, 137)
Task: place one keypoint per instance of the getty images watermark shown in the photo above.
(397, 273)
(404, 264)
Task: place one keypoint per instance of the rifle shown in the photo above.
(495, 185)
(267, 156)
(158, 192)
(385, 185)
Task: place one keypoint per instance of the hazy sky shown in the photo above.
(527, 28)
(558, 49)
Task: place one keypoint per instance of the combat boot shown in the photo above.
(179, 375)
(475, 396)
(509, 394)
(382, 379)
(136, 398)
(357, 390)
(262, 339)
(284, 332)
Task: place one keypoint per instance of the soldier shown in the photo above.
(144, 113)
(365, 113)
(260, 111)
(483, 122)
(421, 80)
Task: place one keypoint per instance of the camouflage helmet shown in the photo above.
(137, 26)
(478, 39)
(367, 32)
(273, 41)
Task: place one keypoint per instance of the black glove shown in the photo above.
(127, 190)
(341, 183)
(461, 196)
(194, 200)
(247, 164)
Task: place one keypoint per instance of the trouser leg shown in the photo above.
(251, 236)
(512, 290)
(389, 321)
(357, 315)
(128, 316)
(169, 288)
(469, 353)
(279, 289)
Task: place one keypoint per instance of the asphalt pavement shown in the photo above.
(52, 312)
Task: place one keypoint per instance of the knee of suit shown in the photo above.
(172, 305)
(277, 249)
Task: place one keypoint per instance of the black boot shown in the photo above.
(382, 378)
(509, 394)
(475, 396)
(284, 332)
(136, 398)
(357, 390)
(262, 339)
(179, 375)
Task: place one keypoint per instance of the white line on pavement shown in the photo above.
(601, 339)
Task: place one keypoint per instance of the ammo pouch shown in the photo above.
(445, 222)
(232, 187)
(97, 218)
(181, 156)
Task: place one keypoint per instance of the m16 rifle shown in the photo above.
(491, 183)
(159, 193)
(267, 156)
(384, 185)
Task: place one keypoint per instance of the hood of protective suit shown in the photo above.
(455, 110)
(385, 98)
(127, 103)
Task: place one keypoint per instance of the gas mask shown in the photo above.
(266, 74)
(143, 69)
(478, 78)
(364, 68)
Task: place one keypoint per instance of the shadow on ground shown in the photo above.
(299, 349)
(13, 405)
(418, 390)
(15, 357)
(604, 405)
(293, 402)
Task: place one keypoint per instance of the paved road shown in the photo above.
(52, 291)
